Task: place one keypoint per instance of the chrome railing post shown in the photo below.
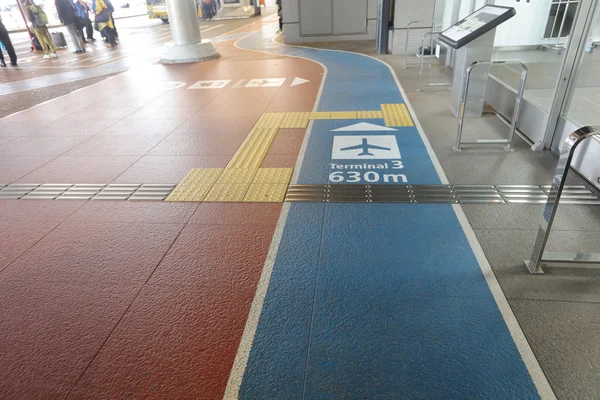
(558, 183)
(516, 112)
(408, 26)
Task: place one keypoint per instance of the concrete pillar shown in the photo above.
(187, 45)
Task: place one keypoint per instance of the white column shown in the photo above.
(187, 45)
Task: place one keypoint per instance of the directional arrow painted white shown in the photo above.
(363, 127)
(299, 81)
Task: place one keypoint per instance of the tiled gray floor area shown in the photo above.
(559, 311)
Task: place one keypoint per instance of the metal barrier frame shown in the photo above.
(419, 85)
(516, 113)
(406, 63)
(560, 176)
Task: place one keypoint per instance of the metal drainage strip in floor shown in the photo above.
(148, 192)
(418, 194)
(436, 194)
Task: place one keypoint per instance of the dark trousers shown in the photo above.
(86, 24)
(110, 35)
(4, 38)
(280, 13)
(115, 33)
(207, 10)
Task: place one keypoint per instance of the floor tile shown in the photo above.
(15, 392)
(152, 212)
(50, 331)
(98, 114)
(288, 141)
(560, 335)
(168, 169)
(14, 167)
(100, 170)
(163, 112)
(279, 161)
(205, 254)
(195, 145)
(217, 126)
(116, 146)
(506, 251)
(143, 127)
(18, 128)
(184, 347)
(237, 214)
(96, 253)
(65, 128)
(41, 146)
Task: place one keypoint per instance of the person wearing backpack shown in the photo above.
(5, 39)
(66, 14)
(39, 21)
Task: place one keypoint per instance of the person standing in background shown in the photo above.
(5, 39)
(39, 21)
(104, 21)
(111, 10)
(83, 20)
(207, 9)
(280, 13)
(66, 14)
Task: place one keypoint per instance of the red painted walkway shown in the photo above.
(116, 299)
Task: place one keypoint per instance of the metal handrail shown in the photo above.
(516, 113)
(558, 183)
(406, 39)
(419, 85)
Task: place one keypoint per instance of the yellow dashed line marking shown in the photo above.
(195, 185)
(295, 120)
(396, 115)
(266, 193)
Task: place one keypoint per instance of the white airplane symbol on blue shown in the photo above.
(365, 146)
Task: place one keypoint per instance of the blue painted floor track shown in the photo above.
(376, 301)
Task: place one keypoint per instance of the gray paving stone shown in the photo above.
(564, 337)
(507, 249)
(529, 216)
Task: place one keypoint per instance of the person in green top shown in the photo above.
(39, 21)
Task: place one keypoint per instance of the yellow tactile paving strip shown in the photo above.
(320, 115)
(195, 185)
(243, 181)
(273, 175)
(295, 120)
(254, 149)
(396, 115)
(266, 193)
(270, 120)
(369, 114)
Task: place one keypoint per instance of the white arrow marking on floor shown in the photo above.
(299, 81)
(266, 82)
(363, 127)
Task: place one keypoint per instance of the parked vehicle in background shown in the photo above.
(158, 9)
